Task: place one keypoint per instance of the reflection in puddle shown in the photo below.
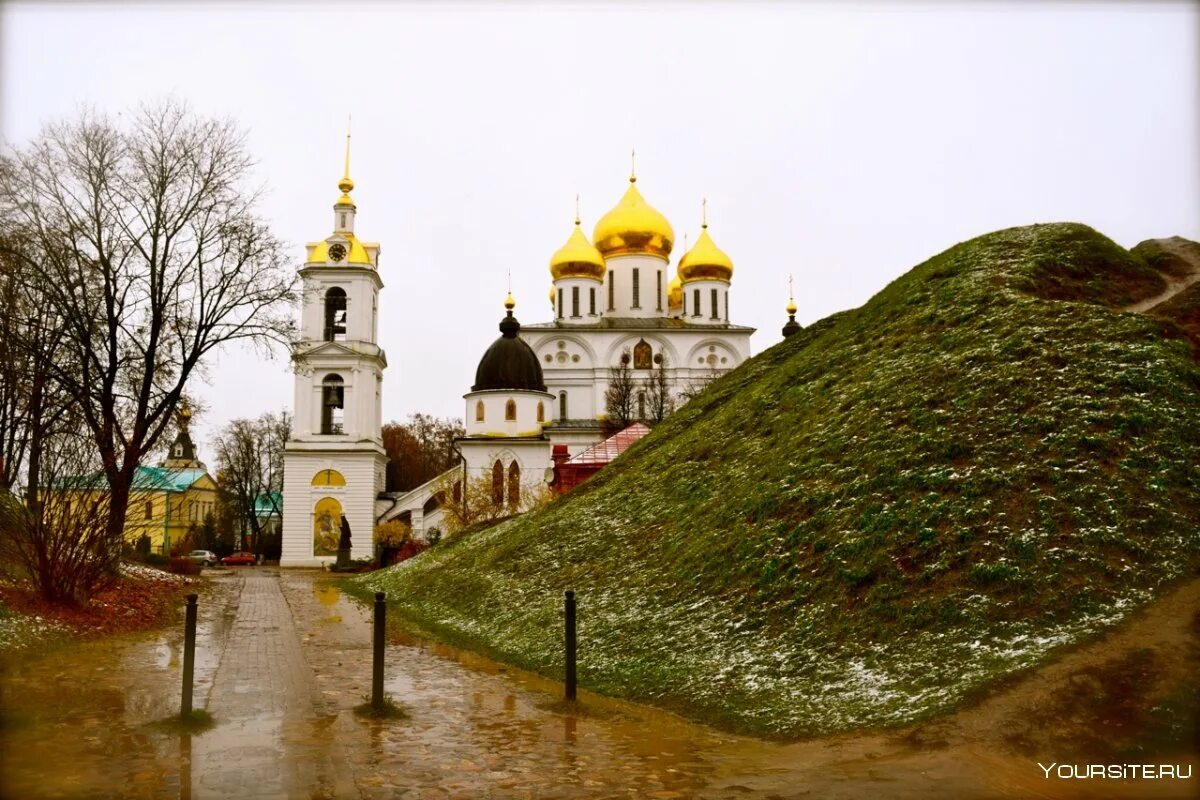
(88, 712)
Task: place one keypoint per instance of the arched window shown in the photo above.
(178, 450)
(333, 401)
(479, 411)
(335, 315)
(457, 491)
(510, 410)
(541, 414)
(497, 483)
(642, 355)
(641, 405)
(562, 405)
(149, 509)
(514, 486)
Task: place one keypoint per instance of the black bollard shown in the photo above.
(377, 666)
(569, 604)
(189, 656)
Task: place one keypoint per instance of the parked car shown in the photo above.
(206, 557)
(233, 559)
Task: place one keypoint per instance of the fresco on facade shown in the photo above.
(326, 527)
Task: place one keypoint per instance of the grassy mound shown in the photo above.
(874, 518)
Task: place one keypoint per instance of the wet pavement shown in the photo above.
(282, 660)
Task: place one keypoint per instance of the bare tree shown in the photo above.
(147, 246)
(33, 405)
(481, 500)
(698, 384)
(62, 541)
(250, 468)
(619, 396)
(660, 402)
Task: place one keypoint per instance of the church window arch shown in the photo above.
(329, 477)
(510, 411)
(497, 483)
(715, 315)
(641, 401)
(695, 302)
(514, 485)
(642, 355)
(335, 314)
(333, 402)
(541, 412)
(479, 411)
(562, 405)
(178, 451)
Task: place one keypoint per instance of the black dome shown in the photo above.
(509, 363)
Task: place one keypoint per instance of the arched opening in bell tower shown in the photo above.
(335, 315)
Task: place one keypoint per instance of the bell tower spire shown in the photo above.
(344, 209)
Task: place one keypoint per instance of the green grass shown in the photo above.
(873, 518)
(389, 709)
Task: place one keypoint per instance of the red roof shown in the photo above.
(604, 452)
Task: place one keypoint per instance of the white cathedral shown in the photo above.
(536, 386)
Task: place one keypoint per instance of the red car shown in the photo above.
(246, 559)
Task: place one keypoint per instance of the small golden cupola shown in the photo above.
(705, 261)
(577, 258)
(343, 247)
(634, 227)
(675, 292)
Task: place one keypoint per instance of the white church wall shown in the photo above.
(362, 472)
(495, 402)
(651, 271)
(583, 308)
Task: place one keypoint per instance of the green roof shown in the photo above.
(266, 504)
(144, 479)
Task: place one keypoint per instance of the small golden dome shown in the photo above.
(705, 261)
(509, 302)
(356, 253)
(577, 258)
(633, 226)
(791, 306)
(675, 293)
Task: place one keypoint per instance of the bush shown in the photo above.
(155, 560)
(183, 566)
(143, 545)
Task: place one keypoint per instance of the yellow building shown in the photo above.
(165, 502)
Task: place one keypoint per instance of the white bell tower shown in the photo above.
(334, 462)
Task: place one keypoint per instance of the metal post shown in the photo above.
(377, 666)
(189, 655)
(569, 604)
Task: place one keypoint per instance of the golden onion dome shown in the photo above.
(675, 293)
(634, 226)
(577, 258)
(791, 306)
(705, 261)
(509, 302)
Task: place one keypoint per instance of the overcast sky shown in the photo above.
(840, 144)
